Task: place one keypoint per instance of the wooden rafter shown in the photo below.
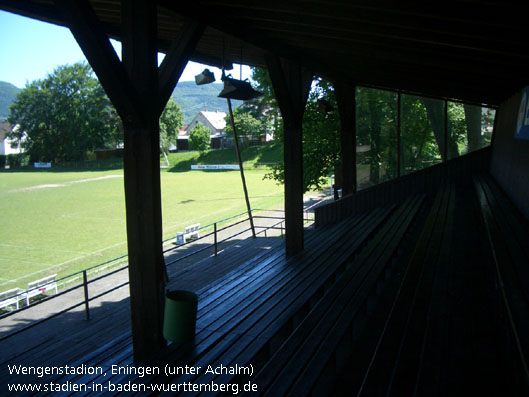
(468, 50)
(96, 46)
(176, 60)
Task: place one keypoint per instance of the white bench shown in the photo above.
(11, 297)
(191, 232)
(40, 287)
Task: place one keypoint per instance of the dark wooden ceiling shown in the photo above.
(473, 50)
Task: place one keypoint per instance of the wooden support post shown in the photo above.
(86, 299)
(445, 132)
(142, 181)
(139, 91)
(346, 101)
(291, 86)
(398, 133)
(494, 128)
(215, 238)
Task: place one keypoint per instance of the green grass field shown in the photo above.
(63, 222)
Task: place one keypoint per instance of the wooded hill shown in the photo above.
(7, 95)
(194, 98)
(191, 97)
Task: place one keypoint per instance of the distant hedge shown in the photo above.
(2, 160)
(17, 160)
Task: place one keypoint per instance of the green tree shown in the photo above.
(246, 124)
(435, 109)
(422, 132)
(171, 120)
(199, 138)
(321, 138)
(64, 116)
(376, 128)
(265, 107)
(419, 147)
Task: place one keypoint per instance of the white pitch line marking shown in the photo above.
(64, 184)
(42, 249)
(23, 261)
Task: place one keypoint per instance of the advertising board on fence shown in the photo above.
(522, 122)
(215, 167)
(41, 165)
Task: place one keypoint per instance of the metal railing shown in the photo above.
(279, 225)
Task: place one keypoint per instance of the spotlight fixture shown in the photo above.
(238, 89)
(205, 77)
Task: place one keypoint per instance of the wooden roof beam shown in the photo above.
(385, 15)
(360, 27)
(176, 60)
(239, 30)
(96, 47)
(318, 40)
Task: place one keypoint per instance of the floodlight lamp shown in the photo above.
(205, 77)
(238, 89)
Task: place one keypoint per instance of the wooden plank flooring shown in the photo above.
(242, 318)
(238, 303)
(70, 338)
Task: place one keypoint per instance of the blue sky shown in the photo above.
(30, 49)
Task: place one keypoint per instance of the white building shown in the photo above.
(214, 121)
(5, 146)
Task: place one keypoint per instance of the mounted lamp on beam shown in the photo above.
(234, 89)
(238, 89)
(206, 77)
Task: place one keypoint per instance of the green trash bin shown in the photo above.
(180, 316)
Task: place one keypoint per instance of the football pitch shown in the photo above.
(63, 222)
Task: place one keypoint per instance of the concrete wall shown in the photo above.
(510, 157)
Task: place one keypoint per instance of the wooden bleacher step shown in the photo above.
(282, 369)
(278, 322)
(507, 231)
(222, 319)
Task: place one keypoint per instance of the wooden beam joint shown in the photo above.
(176, 59)
(95, 44)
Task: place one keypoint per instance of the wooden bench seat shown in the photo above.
(321, 340)
(508, 233)
(288, 310)
(438, 331)
(252, 315)
(247, 311)
(390, 359)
